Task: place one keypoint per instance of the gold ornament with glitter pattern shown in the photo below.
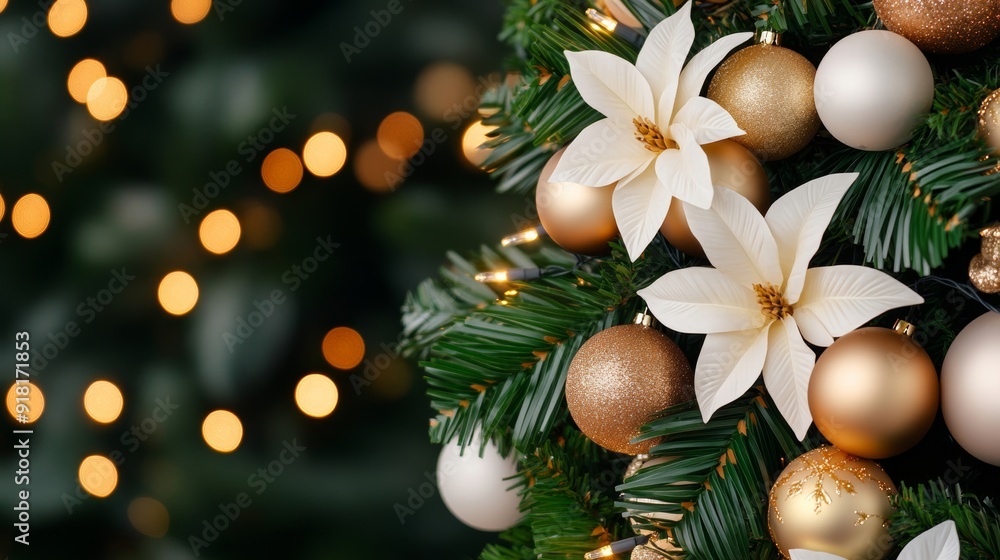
(984, 270)
(769, 91)
(620, 378)
(942, 26)
(829, 501)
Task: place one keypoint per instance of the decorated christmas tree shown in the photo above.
(756, 259)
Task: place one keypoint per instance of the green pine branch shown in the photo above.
(718, 478)
(977, 522)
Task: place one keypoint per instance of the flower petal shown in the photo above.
(940, 542)
(699, 299)
(697, 69)
(787, 369)
(640, 205)
(844, 297)
(685, 171)
(662, 58)
(600, 155)
(811, 328)
(799, 219)
(611, 85)
(707, 120)
(728, 366)
(803, 554)
(736, 239)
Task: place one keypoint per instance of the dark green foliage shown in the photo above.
(977, 522)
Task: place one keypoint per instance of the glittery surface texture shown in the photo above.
(942, 26)
(769, 91)
(984, 275)
(620, 378)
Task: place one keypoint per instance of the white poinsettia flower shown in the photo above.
(761, 299)
(650, 142)
(940, 542)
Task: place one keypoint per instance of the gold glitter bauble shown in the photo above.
(984, 275)
(666, 544)
(942, 26)
(769, 91)
(619, 379)
(733, 167)
(578, 218)
(645, 553)
(874, 393)
(830, 501)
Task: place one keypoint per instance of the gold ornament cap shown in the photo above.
(904, 328)
(984, 270)
(768, 37)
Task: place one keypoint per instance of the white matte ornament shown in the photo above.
(970, 388)
(871, 88)
(473, 487)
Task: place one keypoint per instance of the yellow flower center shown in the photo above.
(772, 302)
(649, 134)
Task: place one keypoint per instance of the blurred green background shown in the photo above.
(114, 197)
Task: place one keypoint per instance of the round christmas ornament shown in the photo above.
(871, 88)
(620, 378)
(666, 544)
(578, 218)
(984, 270)
(970, 388)
(989, 121)
(475, 489)
(874, 392)
(732, 166)
(942, 26)
(769, 91)
(830, 501)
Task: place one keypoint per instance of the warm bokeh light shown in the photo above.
(343, 348)
(103, 401)
(106, 98)
(400, 135)
(98, 476)
(281, 170)
(30, 215)
(222, 431)
(316, 395)
(219, 232)
(375, 170)
(332, 122)
(67, 17)
(190, 11)
(473, 138)
(35, 401)
(178, 292)
(3, 4)
(2, 208)
(261, 224)
(149, 516)
(444, 89)
(82, 76)
(324, 154)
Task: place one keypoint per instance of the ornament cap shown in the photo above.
(643, 318)
(767, 37)
(904, 328)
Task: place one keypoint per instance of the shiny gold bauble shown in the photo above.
(769, 91)
(619, 379)
(830, 501)
(989, 121)
(874, 392)
(645, 553)
(942, 26)
(577, 217)
(733, 167)
(984, 275)
(970, 388)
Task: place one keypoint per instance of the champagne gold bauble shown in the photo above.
(830, 501)
(578, 218)
(874, 392)
(942, 26)
(620, 378)
(645, 553)
(769, 91)
(984, 270)
(970, 388)
(733, 167)
(989, 121)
